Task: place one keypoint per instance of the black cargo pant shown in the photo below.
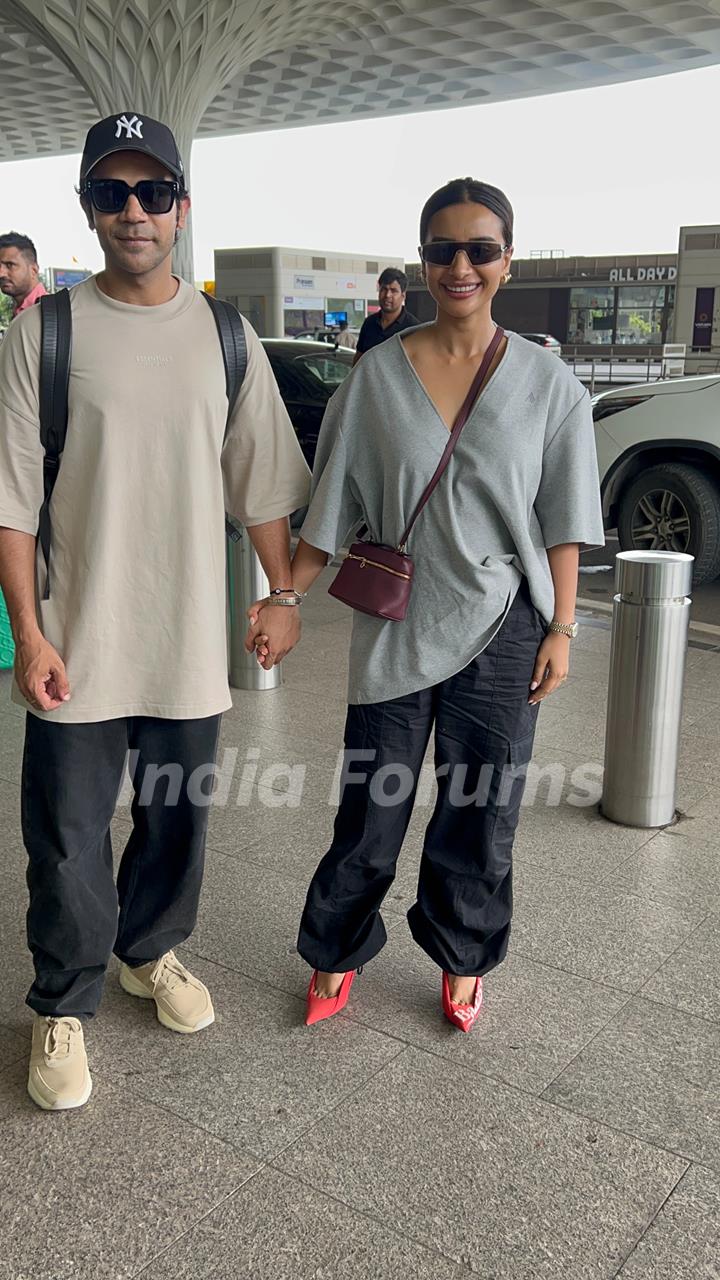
(484, 730)
(72, 774)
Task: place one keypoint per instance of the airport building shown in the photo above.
(632, 301)
(602, 301)
(628, 301)
(294, 291)
(697, 293)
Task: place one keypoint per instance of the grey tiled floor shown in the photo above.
(575, 1135)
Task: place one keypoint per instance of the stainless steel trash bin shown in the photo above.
(246, 582)
(651, 612)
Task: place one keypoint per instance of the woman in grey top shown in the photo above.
(491, 616)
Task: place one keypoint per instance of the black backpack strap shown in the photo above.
(55, 350)
(233, 343)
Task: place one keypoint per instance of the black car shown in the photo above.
(307, 374)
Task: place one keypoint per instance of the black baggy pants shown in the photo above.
(72, 774)
(484, 730)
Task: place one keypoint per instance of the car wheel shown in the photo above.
(673, 507)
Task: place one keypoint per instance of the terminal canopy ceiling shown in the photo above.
(269, 64)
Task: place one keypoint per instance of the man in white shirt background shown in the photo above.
(345, 338)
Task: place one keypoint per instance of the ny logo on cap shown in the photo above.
(132, 127)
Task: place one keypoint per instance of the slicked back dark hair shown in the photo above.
(469, 191)
(391, 274)
(13, 240)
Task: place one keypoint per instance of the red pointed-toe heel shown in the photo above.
(319, 1007)
(461, 1015)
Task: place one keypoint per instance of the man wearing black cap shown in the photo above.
(127, 650)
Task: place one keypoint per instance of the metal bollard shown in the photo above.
(651, 612)
(246, 582)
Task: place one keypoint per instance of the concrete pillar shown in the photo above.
(277, 308)
(167, 60)
(172, 59)
(126, 57)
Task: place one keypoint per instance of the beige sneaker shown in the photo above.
(183, 1003)
(59, 1078)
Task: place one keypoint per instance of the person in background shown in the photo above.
(393, 315)
(345, 338)
(19, 272)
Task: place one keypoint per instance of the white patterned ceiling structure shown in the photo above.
(216, 67)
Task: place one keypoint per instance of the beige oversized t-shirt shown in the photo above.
(137, 604)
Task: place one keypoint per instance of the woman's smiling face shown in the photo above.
(461, 289)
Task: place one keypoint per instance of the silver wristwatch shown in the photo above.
(563, 629)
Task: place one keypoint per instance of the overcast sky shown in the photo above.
(608, 170)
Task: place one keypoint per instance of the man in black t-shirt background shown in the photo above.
(393, 315)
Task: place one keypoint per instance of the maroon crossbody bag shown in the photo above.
(377, 579)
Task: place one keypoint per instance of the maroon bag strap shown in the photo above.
(458, 425)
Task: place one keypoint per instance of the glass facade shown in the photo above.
(299, 321)
(636, 314)
(351, 306)
(592, 315)
(640, 314)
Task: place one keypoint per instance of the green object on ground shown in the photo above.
(7, 648)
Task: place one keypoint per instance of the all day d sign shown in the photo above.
(619, 275)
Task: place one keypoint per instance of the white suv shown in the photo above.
(659, 456)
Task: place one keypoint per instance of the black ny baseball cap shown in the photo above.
(130, 131)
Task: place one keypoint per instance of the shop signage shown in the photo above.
(65, 278)
(293, 302)
(702, 324)
(303, 282)
(620, 275)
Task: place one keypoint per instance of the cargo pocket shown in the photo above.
(521, 750)
(511, 790)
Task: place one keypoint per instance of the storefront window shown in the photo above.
(592, 314)
(669, 311)
(640, 314)
(643, 316)
(340, 304)
(355, 308)
(299, 322)
(641, 295)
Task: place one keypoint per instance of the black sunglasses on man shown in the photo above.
(110, 195)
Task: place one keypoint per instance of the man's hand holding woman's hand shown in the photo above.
(274, 630)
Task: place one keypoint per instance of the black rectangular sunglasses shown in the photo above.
(442, 252)
(110, 195)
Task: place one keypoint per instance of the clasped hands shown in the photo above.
(274, 630)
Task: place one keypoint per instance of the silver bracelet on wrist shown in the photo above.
(284, 602)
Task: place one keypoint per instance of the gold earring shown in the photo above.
(504, 279)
